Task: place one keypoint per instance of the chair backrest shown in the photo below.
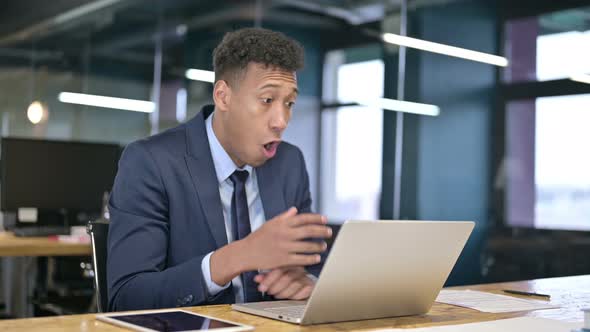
(98, 231)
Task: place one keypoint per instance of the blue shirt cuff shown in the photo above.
(212, 287)
(312, 277)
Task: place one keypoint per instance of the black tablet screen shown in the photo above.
(173, 321)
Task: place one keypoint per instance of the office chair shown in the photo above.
(62, 287)
(98, 231)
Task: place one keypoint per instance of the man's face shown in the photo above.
(256, 113)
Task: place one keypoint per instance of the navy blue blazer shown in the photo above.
(166, 215)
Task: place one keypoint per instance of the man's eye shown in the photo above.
(290, 104)
(267, 100)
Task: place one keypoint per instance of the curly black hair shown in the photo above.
(240, 47)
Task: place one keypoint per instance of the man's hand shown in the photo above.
(280, 241)
(290, 283)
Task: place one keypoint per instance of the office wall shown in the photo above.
(67, 121)
(446, 169)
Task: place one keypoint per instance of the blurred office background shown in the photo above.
(505, 150)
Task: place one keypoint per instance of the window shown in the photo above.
(544, 174)
(351, 146)
(562, 164)
(547, 166)
(548, 47)
(561, 55)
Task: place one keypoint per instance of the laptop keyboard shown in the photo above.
(295, 311)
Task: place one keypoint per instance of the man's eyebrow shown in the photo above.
(273, 85)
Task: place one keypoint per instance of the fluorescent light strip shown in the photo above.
(445, 49)
(401, 106)
(582, 78)
(200, 75)
(181, 104)
(107, 102)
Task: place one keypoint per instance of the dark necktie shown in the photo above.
(240, 219)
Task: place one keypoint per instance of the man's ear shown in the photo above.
(222, 95)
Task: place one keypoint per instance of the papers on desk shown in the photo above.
(503, 325)
(489, 302)
(77, 239)
(77, 235)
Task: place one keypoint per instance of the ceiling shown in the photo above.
(74, 20)
(66, 32)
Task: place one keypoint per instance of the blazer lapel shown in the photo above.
(271, 193)
(202, 171)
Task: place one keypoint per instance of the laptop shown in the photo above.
(376, 269)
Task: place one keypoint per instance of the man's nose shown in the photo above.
(280, 118)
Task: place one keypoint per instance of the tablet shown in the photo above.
(171, 320)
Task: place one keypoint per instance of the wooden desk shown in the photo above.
(571, 293)
(19, 267)
(11, 246)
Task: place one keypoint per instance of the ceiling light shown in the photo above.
(444, 49)
(200, 75)
(181, 104)
(401, 106)
(107, 102)
(37, 112)
(181, 29)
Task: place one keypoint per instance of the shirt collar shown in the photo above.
(224, 165)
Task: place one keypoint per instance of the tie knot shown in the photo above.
(239, 177)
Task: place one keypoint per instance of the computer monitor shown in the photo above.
(55, 176)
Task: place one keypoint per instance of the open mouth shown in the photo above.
(270, 148)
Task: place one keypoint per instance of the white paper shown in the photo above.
(489, 302)
(519, 324)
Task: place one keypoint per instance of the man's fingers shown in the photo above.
(291, 212)
(293, 288)
(304, 293)
(269, 279)
(308, 218)
(279, 285)
(309, 247)
(312, 231)
(302, 260)
(289, 277)
(259, 277)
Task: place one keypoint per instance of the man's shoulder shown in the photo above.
(287, 158)
(288, 152)
(171, 141)
(172, 136)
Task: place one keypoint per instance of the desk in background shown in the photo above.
(11, 246)
(19, 266)
(567, 292)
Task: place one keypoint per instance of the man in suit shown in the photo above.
(217, 210)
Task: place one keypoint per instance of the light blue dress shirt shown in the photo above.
(224, 168)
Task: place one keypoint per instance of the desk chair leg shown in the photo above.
(18, 291)
(93, 307)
